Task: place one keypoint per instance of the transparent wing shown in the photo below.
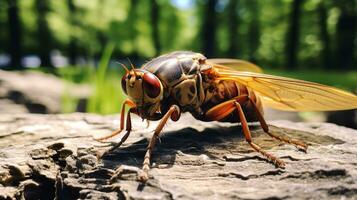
(239, 65)
(291, 94)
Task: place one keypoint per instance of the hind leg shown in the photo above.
(224, 109)
(299, 144)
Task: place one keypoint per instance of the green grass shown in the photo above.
(107, 96)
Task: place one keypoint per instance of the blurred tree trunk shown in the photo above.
(208, 28)
(293, 35)
(233, 21)
(155, 12)
(325, 38)
(73, 43)
(131, 22)
(15, 31)
(346, 34)
(254, 30)
(44, 35)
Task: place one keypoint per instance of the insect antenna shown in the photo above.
(132, 66)
(126, 69)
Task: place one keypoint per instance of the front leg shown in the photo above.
(173, 113)
(131, 104)
(128, 130)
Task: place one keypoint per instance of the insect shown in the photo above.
(226, 90)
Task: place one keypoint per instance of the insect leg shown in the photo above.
(116, 132)
(125, 137)
(248, 138)
(299, 144)
(174, 113)
(224, 109)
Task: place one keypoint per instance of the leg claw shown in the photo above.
(302, 147)
(280, 164)
(104, 138)
(143, 176)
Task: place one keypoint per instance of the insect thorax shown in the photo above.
(180, 75)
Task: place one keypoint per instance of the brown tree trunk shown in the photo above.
(233, 21)
(346, 34)
(15, 32)
(209, 26)
(254, 31)
(155, 11)
(293, 35)
(325, 38)
(44, 35)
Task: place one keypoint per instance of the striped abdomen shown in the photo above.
(227, 90)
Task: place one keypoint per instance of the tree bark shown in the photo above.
(56, 157)
(15, 32)
(293, 35)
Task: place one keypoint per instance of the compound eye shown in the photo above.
(151, 85)
(123, 83)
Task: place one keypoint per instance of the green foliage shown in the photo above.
(261, 30)
(107, 96)
(68, 103)
(89, 30)
(73, 75)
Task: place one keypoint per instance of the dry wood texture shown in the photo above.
(54, 156)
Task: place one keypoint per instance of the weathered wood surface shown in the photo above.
(54, 156)
(36, 92)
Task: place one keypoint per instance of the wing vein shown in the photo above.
(290, 94)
